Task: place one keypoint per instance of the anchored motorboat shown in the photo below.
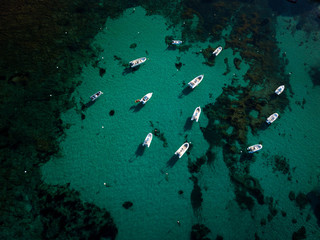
(137, 62)
(182, 150)
(96, 95)
(195, 82)
(254, 148)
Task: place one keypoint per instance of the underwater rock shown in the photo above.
(292, 195)
(65, 216)
(301, 200)
(219, 237)
(127, 205)
(196, 194)
(133, 45)
(300, 234)
(178, 65)
(314, 74)
(195, 167)
(281, 164)
(251, 185)
(160, 135)
(244, 201)
(111, 113)
(102, 71)
(199, 232)
(227, 66)
(20, 78)
(314, 198)
(237, 62)
(209, 57)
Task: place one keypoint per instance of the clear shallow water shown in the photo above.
(105, 149)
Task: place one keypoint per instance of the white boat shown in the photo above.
(279, 90)
(196, 114)
(182, 150)
(176, 42)
(137, 62)
(254, 148)
(217, 51)
(148, 140)
(96, 95)
(145, 98)
(272, 118)
(195, 82)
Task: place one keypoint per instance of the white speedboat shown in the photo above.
(137, 62)
(217, 51)
(145, 98)
(96, 95)
(148, 140)
(196, 114)
(272, 118)
(182, 150)
(279, 90)
(254, 148)
(195, 82)
(176, 42)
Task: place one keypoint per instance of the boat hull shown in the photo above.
(254, 148)
(196, 81)
(137, 62)
(96, 95)
(146, 98)
(217, 51)
(176, 42)
(147, 140)
(279, 90)
(196, 114)
(182, 150)
(272, 118)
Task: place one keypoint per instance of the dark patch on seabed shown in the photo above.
(43, 45)
(253, 37)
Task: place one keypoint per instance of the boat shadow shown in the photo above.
(136, 108)
(171, 47)
(245, 156)
(186, 91)
(140, 150)
(264, 126)
(89, 104)
(129, 69)
(188, 124)
(138, 153)
(172, 161)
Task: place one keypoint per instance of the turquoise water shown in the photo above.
(106, 149)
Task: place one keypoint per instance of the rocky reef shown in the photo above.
(199, 232)
(43, 46)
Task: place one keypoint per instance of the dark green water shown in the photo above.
(46, 51)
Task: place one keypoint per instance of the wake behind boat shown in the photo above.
(279, 90)
(145, 99)
(217, 51)
(254, 148)
(96, 95)
(195, 82)
(272, 118)
(196, 114)
(182, 150)
(148, 140)
(176, 42)
(137, 62)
